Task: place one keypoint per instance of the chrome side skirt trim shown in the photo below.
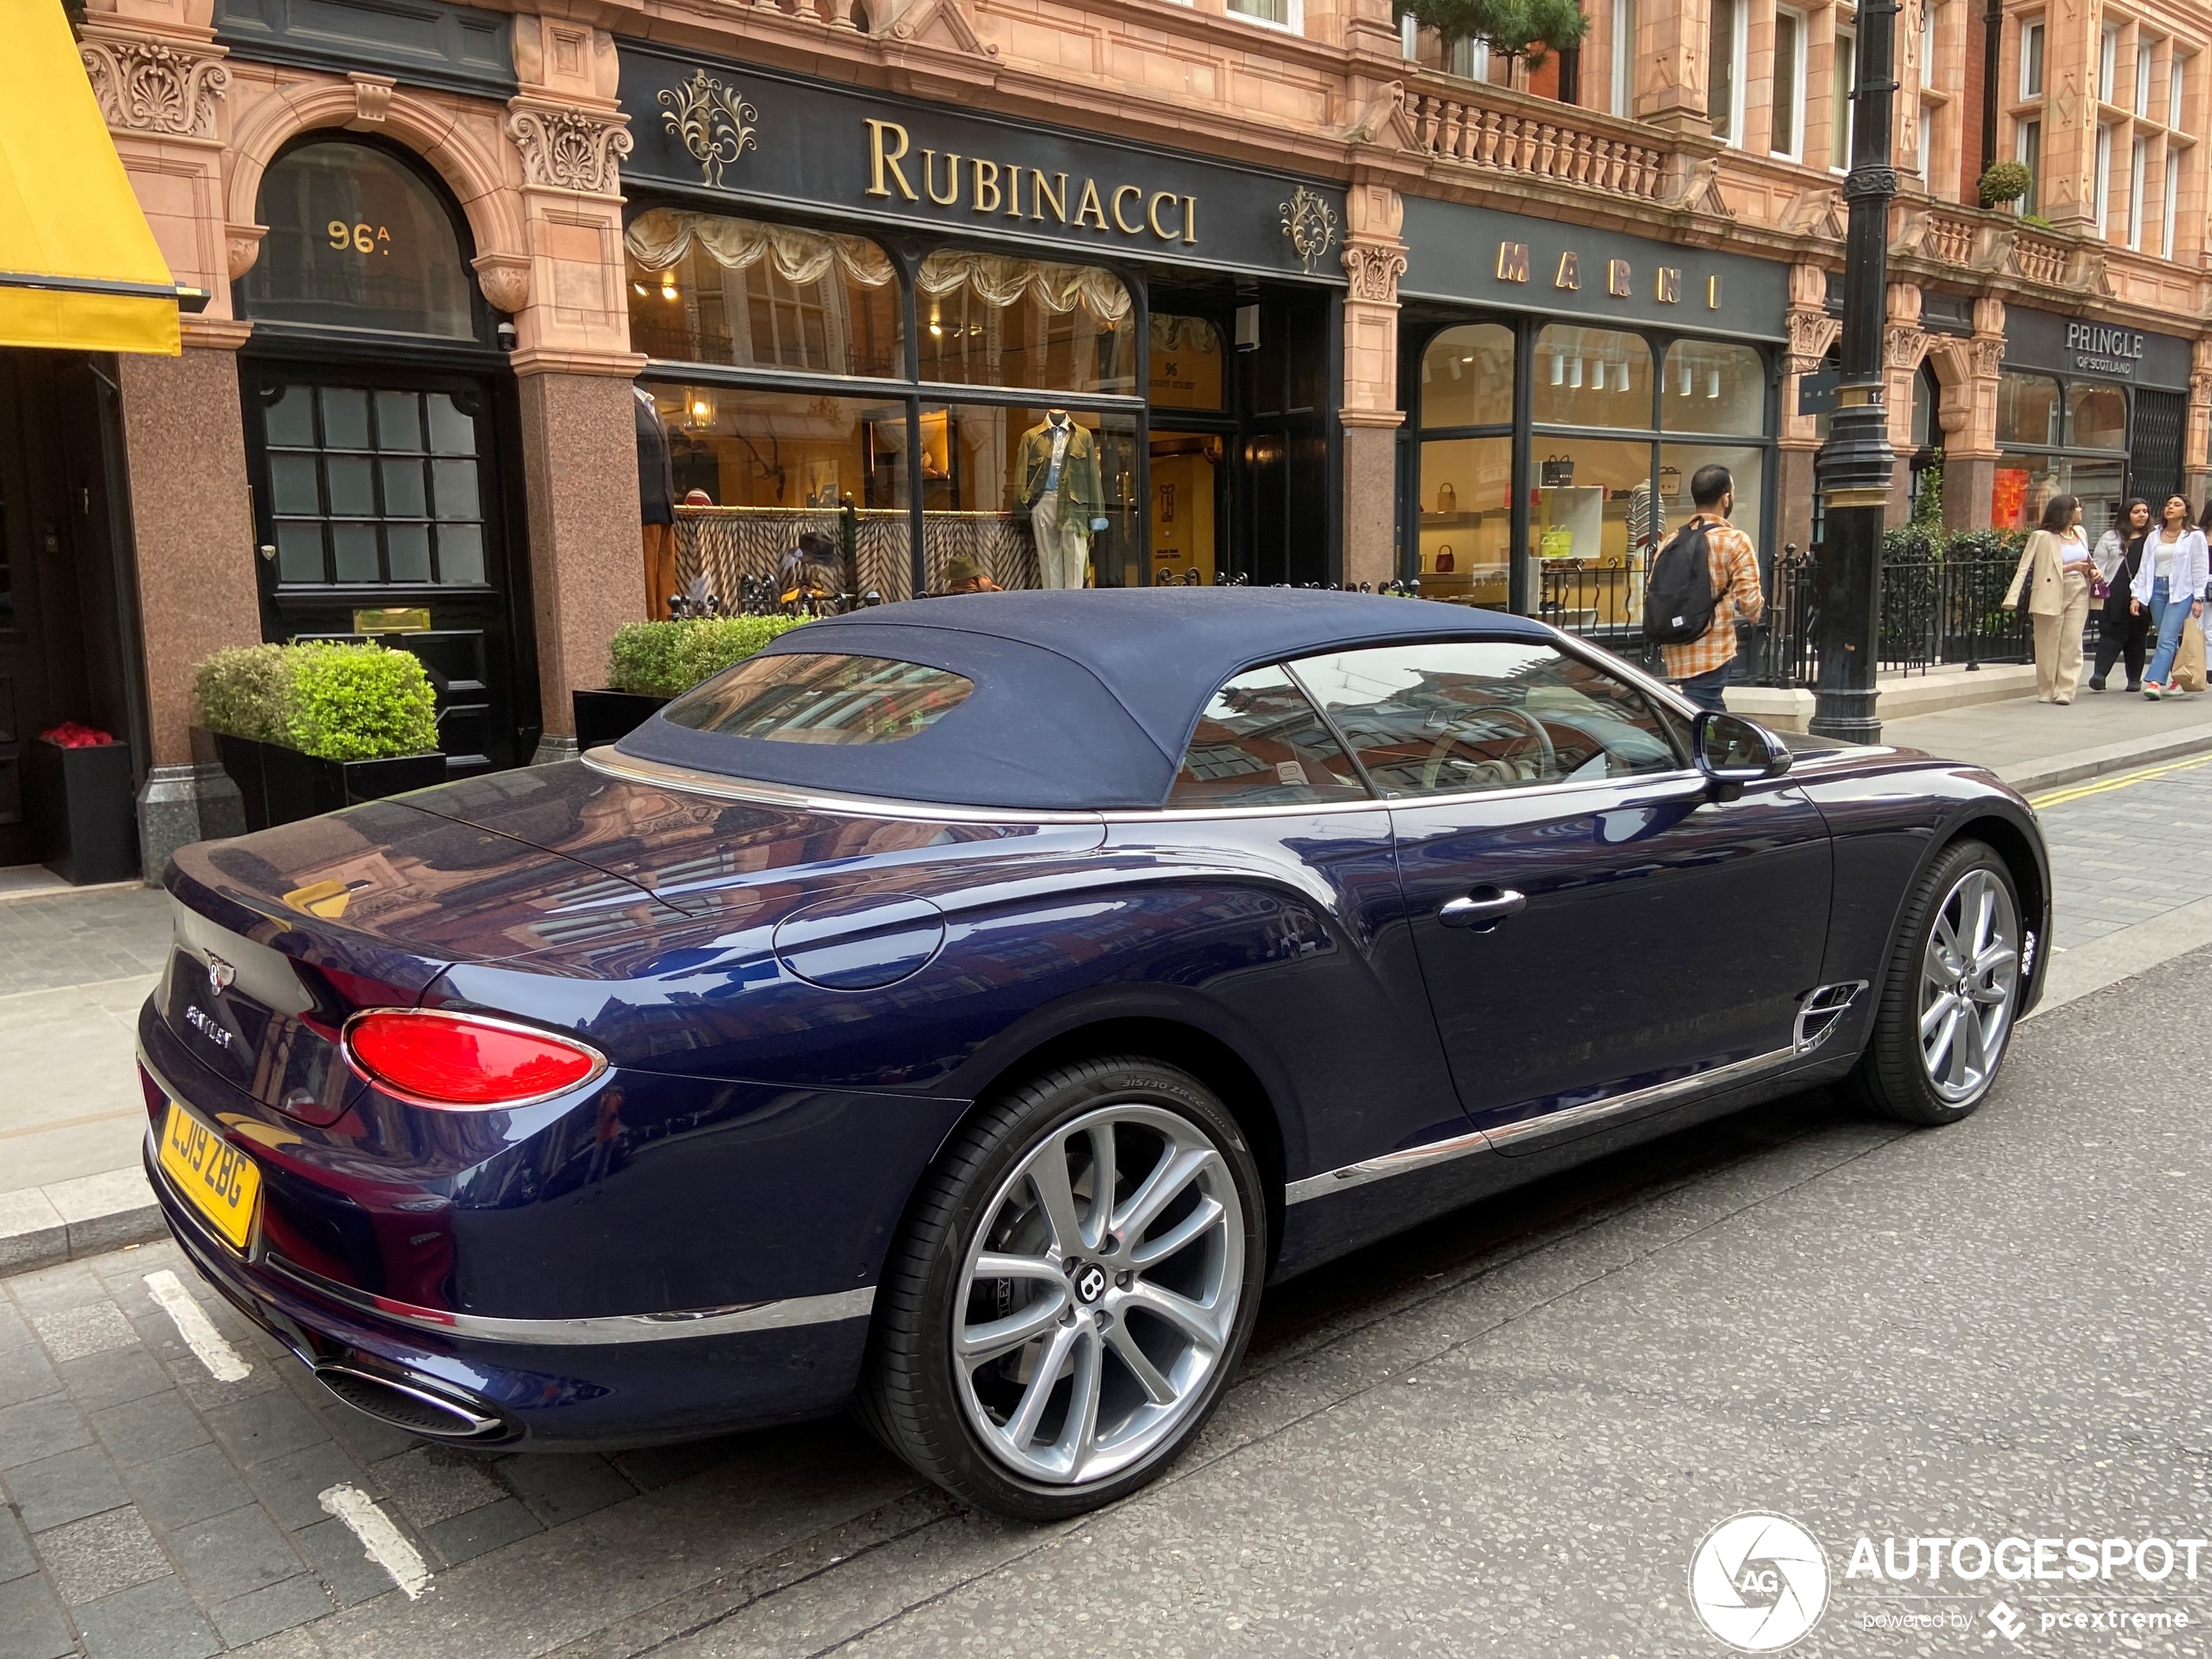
(597, 1329)
(1421, 1157)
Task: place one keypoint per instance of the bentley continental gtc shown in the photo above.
(961, 1011)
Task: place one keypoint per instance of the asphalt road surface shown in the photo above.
(1508, 1433)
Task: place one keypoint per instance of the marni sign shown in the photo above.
(1483, 256)
(739, 134)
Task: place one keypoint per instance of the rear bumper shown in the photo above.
(774, 1363)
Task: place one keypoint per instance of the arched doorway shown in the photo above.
(381, 431)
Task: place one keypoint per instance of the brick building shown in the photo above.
(1329, 299)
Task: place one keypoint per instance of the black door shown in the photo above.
(1589, 923)
(379, 508)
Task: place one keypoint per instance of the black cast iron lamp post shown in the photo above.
(1854, 465)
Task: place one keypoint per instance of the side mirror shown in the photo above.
(1731, 752)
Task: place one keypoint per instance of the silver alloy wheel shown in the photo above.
(1098, 1294)
(1969, 979)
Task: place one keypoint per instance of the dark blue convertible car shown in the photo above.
(962, 1009)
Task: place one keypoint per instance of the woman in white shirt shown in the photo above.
(2169, 585)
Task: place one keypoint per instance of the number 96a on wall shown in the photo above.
(359, 238)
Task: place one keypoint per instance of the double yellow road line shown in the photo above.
(2105, 785)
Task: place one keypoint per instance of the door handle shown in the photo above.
(1481, 914)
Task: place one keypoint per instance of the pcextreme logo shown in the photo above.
(1759, 1581)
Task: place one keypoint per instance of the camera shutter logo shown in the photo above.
(1759, 1581)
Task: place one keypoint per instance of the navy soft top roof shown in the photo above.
(1082, 700)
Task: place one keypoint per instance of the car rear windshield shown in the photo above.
(822, 697)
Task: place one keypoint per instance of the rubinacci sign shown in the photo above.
(735, 135)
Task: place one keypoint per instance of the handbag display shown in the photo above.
(1448, 499)
(1445, 564)
(1558, 472)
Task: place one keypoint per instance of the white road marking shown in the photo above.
(224, 1362)
(383, 1540)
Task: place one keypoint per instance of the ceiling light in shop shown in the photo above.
(1574, 371)
(1559, 369)
(1684, 387)
(1712, 382)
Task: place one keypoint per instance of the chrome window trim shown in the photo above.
(1422, 1157)
(631, 769)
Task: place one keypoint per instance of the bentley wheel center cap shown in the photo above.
(1090, 1284)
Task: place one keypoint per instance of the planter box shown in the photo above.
(282, 786)
(84, 821)
(609, 717)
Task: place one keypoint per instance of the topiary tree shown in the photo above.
(1529, 28)
(2003, 182)
(360, 703)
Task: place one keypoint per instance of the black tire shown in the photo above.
(912, 1394)
(1892, 1078)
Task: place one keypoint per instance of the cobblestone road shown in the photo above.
(1605, 1366)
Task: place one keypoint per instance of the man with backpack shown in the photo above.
(1700, 583)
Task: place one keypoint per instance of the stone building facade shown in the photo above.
(1375, 295)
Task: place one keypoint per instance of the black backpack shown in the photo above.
(1678, 599)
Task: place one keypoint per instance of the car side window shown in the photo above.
(1460, 715)
(1260, 744)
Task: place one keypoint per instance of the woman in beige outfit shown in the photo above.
(2055, 568)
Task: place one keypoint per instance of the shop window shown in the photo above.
(2027, 409)
(986, 319)
(708, 289)
(358, 239)
(1453, 718)
(1710, 386)
(1260, 744)
(2023, 485)
(1592, 377)
(1679, 463)
(1466, 521)
(1187, 363)
(2096, 416)
(372, 488)
(764, 470)
(1466, 377)
(977, 487)
(1594, 519)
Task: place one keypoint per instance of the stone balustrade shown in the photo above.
(1488, 126)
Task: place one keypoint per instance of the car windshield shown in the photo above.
(822, 697)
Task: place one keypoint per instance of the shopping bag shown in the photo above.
(2188, 662)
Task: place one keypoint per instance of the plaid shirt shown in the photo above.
(1735, 567)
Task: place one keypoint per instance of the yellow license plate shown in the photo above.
(216, 1178)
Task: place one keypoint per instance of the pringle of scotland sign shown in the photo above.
(713, 132)
(2107, 350)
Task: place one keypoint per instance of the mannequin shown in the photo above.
(656, 501)
(1062, 494)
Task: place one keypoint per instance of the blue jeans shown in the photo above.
(2169, 612)
(1704, 689)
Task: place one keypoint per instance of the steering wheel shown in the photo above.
(1502, 770)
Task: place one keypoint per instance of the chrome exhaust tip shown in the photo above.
(408, 1406)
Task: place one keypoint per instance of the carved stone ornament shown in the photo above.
(713, 123)
(505, 279)
(570, 149)
(1374, 271)
(1989, 356)
(1811, 333)
(241, 246)
(142, 87)
(1903, 347)
(372, 98)
(1310, 224)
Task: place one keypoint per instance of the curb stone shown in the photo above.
(45, 1226)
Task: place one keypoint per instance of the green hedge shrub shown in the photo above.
(668, 658)
(334, 702)
(241, 691)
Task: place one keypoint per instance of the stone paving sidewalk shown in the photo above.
(155, 1510)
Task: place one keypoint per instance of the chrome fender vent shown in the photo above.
(1823, 1011)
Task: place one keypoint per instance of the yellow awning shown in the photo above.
(79, 270)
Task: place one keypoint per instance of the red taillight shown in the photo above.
(459, 1060)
